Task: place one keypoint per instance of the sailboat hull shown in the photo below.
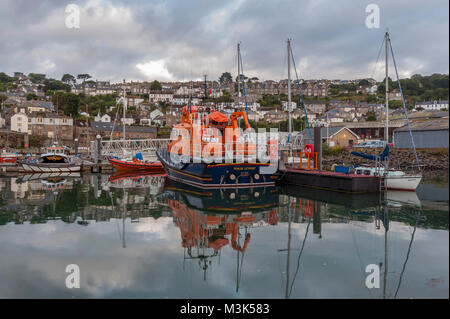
(403, 183)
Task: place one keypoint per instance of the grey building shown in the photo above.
(427, 134)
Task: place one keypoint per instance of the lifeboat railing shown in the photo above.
(299, 157)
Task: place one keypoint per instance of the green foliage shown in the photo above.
(36, 77)
(269, 100)
(5, 78)
(68, 102)
(421, 88)
(371, 117)
(83, 76)
(364, 82)
(98, 103)
(68, 78)
(326, 149)
(31, 96)
(226, 77)
(3, 98)
(55, 85)
(331, 151)
(336, 150)
(155, 86)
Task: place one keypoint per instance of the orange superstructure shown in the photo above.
(204, 131)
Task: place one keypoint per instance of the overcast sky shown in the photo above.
(181, 40)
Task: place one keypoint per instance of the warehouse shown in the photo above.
(427, 134)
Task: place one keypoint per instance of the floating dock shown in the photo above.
(325, 180)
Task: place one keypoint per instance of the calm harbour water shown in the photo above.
(144, 237)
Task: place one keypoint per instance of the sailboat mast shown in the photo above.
(288, 259)
(239, 74)
(386, 129)
(289, 87)
(124, 108)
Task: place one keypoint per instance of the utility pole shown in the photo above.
(124, 109)
(206, 86)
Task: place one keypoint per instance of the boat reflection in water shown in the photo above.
(209, 220)
(185, 242)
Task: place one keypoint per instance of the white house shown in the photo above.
(184, 100)
(432, 105)
(160, 97)
(372, 89)
(145, 121)
(105, 118)
(127, 121)
(286, 106)
(19, 123)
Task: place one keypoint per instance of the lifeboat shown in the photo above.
(209, 150)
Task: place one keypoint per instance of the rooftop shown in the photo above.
(430, 125)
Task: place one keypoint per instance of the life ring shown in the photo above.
(332, 167)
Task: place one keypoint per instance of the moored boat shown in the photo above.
(197, 156)
(395, 179)
(136, 165)
(38, 167)
(7, 157)
(53, 160)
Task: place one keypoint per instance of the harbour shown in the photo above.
(235, 158)
(144, 236)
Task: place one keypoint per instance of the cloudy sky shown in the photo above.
(181, 40)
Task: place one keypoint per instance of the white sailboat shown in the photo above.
(394, 179)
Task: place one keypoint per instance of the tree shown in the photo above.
(68, 78)
(36, 77)
(31, 96)
(225, 78)
(68, 102)
(364, 82)
(83, 77)
(155, 86)
(55, 85)
(5, 78)
(371, 117)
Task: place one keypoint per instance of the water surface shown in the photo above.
(144, 237)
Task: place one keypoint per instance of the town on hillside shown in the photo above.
(35, 109)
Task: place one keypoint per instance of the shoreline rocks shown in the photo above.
(431, 160)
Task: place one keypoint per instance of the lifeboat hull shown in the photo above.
(219, 175)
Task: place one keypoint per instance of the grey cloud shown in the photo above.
(330, 39)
